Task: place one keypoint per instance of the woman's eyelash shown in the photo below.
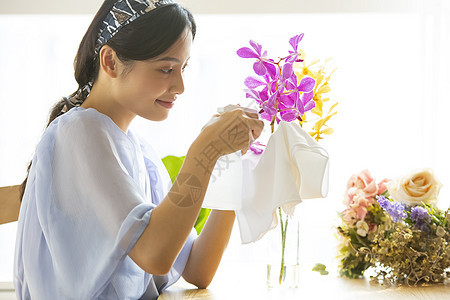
(168, 71)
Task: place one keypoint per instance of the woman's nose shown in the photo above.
(178, 84)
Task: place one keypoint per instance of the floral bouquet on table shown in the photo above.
(395, 227)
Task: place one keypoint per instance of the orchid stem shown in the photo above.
(283, 225)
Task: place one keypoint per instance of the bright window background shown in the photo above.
(392, 85)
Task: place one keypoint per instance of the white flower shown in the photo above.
(415, 188)
(440, 231)
(363, 228)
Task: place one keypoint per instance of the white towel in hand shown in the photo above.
(292, 167)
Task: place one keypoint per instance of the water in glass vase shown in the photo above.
(283, 253)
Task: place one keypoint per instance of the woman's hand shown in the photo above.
(231, 131)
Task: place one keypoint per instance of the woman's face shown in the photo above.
(151, 87)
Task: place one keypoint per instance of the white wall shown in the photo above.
(392, 84)
(218, 6)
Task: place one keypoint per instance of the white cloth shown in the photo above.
(292, 167)
(90, 194)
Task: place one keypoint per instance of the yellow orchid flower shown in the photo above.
(320, 74)
(322, 79)
(317, 128)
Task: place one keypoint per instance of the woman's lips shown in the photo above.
(166, 104)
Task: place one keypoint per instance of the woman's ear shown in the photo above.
(109, 61)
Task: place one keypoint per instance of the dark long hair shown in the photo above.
(146, 37)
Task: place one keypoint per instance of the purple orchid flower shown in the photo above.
(276, 90)
(287, 71)
(295, 40)
(287, 101)
(257, 147)
(263, 65)
(269, 105)
(288, 112)
(289, 115)
(307, 101)
(306, 86)
(293, 55)
(264, 94)
(252, 82)
(255, 95)
(266, 116)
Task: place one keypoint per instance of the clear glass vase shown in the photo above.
(283, 252)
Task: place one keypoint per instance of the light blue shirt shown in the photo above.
(90, 194)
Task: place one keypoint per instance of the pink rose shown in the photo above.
(366, 183)
(361, 212)
(360, 199)
(363, 181)
(382, 186)
(358, 208)
(349, 216)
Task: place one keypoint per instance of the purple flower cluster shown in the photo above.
(395, 209)
(420, 213)
(277, 90)
(420, 216)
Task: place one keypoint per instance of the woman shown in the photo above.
(96, 220)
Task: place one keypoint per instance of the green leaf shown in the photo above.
(201, 220)
(321, 268)
(173, 165)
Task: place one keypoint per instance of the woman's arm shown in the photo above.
(208, 248)
(172, 220)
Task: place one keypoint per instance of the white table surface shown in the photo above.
(248, 282)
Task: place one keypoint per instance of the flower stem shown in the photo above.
(272, 124)
(283, 225)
